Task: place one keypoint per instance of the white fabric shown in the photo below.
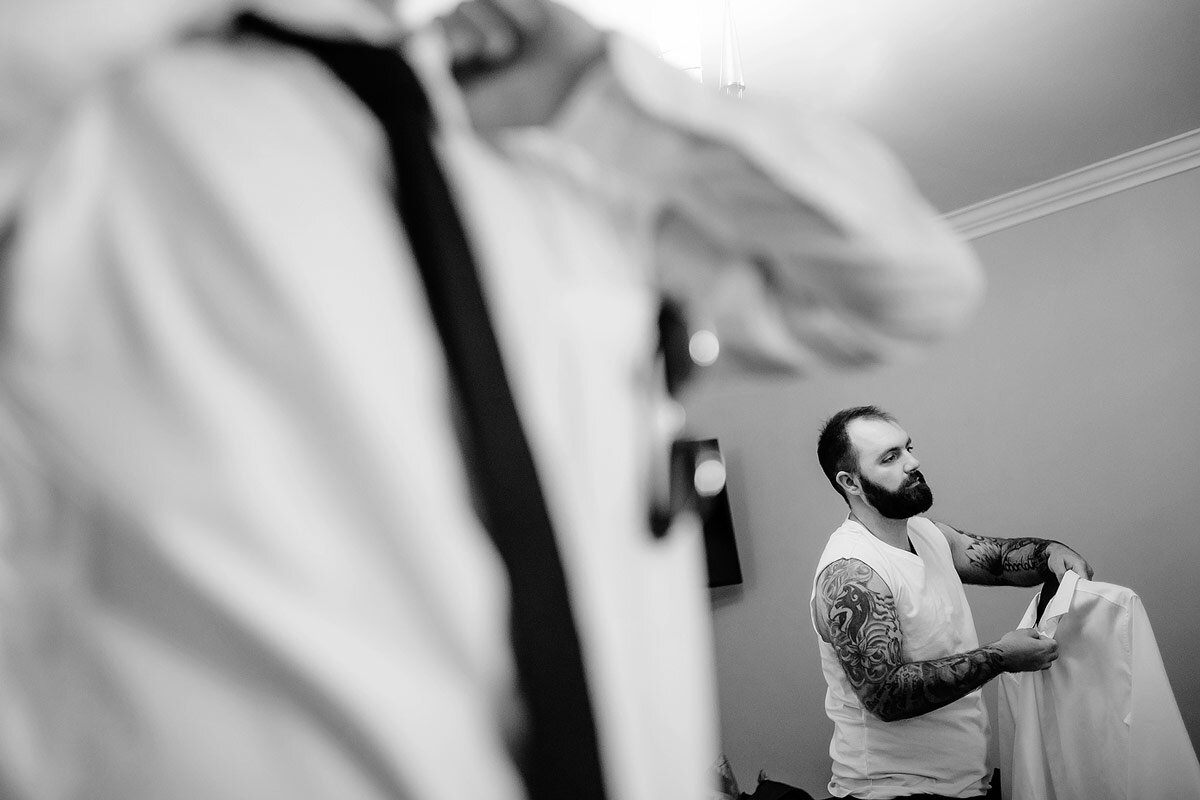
(1102, 722)
(945, 751)
(237, 557)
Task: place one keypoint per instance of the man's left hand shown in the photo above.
(1061, 558)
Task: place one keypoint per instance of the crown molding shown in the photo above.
(1150, 163)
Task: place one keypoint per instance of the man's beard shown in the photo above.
(912, 498)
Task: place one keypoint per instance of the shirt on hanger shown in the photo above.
(1102, 722)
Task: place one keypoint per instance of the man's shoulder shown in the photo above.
(850, 540)
(844, 535)
(849, 527)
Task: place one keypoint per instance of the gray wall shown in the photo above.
(1069, 410)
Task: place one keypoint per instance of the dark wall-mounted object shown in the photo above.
(720, 544)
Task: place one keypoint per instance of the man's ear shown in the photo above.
(848, 482)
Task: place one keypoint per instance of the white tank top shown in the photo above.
(945, 751)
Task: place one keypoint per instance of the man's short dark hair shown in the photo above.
(834, 451)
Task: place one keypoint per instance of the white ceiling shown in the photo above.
(978, 99)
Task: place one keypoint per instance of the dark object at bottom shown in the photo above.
(774, 790)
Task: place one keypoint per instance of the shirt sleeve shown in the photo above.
(792, 233)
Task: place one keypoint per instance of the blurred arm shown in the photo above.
(793, 234)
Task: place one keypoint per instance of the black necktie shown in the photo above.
(560, 760)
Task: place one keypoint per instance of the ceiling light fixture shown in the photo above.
(733, 83)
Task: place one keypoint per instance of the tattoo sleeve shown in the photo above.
(1010, 562)
(856, 615)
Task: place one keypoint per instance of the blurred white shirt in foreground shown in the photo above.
(238, 557)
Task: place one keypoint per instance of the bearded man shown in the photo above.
(898, 644)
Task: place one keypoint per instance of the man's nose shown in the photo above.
(913, 464)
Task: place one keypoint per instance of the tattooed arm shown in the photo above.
(1010, 562)
(856, 614)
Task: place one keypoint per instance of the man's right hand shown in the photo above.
(1025, 650)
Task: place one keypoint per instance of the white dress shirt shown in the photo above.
(1101, 723)
(237, 552)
